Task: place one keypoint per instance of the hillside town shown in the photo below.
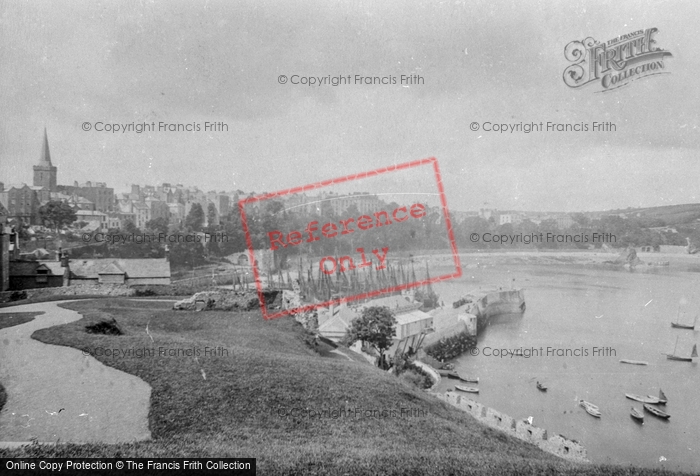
(47, 223)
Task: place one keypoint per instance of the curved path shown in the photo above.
(56, 393)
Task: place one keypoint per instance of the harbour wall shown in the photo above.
(495, 303)
(521, 429)
(456, 330)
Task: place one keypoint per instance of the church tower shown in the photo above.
(45, 173)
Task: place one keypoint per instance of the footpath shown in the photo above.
(57, 394)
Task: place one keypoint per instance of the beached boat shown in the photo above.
(660, 400)
(541, 387)
(656, 412)
(469, 379)
(636, 414)
(674, 356)
(591, 409)
(467, 389)
(634, 362)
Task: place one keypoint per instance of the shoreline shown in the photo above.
(606, 259)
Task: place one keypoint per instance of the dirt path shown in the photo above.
(57, 393)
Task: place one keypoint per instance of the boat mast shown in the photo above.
(675, 346)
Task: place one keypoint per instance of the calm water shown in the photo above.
(576, 308)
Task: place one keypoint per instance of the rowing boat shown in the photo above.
(637, 415)
(467, 389)
(541, 387)
(448, 374)
(656, 412)
(591, 409)
(469, 379)
(634, 362)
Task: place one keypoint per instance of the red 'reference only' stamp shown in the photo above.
(331, 243)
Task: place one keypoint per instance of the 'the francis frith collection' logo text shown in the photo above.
(614, 63)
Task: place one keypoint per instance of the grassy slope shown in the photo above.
(237, 410)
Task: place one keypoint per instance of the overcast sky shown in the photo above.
(63, 63)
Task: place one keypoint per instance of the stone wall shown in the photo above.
(78, 290)
(556, 444)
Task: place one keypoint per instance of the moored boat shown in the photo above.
(674, 356)
(467, 389)
(634, 362)
(636, 414)
(660, 400)
(448, 374)
(469, 379)
(591, 409)
(541, 387)
(656, 412)
(678, 324)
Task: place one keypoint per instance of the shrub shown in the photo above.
(104, 327)
(18, 295)
(451, 347)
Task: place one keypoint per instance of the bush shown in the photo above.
(407, 370)
(145, 292)
(461, 302)
(451, 347)
(105, 327)
(412, 378)
(18, 295)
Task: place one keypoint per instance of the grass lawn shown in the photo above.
(264, 396)
(9, 319)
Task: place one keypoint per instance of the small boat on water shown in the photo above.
(469, 379)
(541, 387)
(660, 400)
(637, 415)
(678, 325)
(448, 374)
(591, 409)
(674, 356)
(656, 412)
(467, 389)
(634, 362)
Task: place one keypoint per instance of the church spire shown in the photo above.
(44, 172)
(45, 159)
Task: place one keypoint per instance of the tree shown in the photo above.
(186, 254)
(195, 218)
(130, 228)
(57, 214)
(375, 327)
(158, 225)
(211, 215)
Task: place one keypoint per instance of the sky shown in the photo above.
(66, 64)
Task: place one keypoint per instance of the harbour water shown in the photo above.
(579, 323)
